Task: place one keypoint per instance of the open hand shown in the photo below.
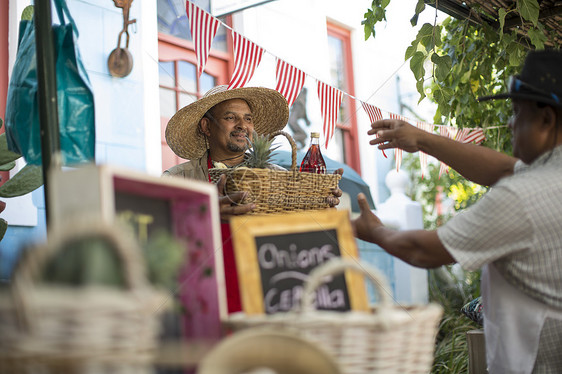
(395, 133)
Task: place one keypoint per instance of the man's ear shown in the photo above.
(204, 126)
(548, 117)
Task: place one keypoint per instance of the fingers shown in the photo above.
(332, 201)
(383, 124)
(221, 184)
(339, 171)
(363, 203)
(337, 192)
(231, 205)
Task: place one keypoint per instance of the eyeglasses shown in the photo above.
(517, 85)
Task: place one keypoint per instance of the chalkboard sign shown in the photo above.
(275, 254)
(284, 263)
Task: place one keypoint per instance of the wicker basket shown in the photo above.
(390, 339)
(280, 191)
(79, 326)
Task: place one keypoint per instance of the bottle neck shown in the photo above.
(314, 141)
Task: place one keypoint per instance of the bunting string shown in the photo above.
(290, 80)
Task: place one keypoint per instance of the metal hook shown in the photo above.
(119, 39)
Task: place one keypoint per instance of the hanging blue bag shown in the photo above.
(74, 95)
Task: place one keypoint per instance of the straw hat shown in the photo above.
(269, 108)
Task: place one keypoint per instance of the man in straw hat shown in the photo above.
(215, 129)
(514, 233)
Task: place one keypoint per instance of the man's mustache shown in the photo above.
(237, 133)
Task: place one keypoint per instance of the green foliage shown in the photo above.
(162, 252)
(27, 13)
(452, 288)
(451, 185)
(6, 156)
(374, 15)
(25, 181)
(86, 261)
(454, 63)
(3, 228)
(260, 153)
(164, 256)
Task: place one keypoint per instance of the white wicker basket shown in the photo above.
(391, 339)
(64, 325)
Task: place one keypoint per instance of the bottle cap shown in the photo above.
(314, 134)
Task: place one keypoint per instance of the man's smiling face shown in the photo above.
(229, 128)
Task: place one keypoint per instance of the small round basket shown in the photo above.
(279, 191)
(390, 339)
(79, 325)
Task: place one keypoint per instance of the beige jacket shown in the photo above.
(194, 169)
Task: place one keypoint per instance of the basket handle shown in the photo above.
(336, 266)
(293, 147)
(35, 259)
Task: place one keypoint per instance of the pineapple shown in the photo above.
(260, 152)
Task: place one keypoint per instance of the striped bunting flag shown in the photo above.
(374, 114)
(476, 135)
(398, 151)
(462, 135)
(203, 30)
(330, 100)
(247, 56)
(450, 132)
(289, 81)
(423, 156)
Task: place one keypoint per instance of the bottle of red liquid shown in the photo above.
(313, 162)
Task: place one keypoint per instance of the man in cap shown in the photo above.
(514, 233)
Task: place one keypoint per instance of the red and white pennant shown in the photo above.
(247, 56)
(203, 30)
(398, 151)
(449, 132)
(375, 114)
(423, 156)
(289, 81)
(330, 101)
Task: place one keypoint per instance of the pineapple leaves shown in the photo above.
(260, 152)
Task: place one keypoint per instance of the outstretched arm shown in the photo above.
(418, 248)
(479, 164)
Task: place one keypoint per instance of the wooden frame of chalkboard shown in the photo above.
(275, 253)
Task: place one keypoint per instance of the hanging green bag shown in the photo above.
(74, 94)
